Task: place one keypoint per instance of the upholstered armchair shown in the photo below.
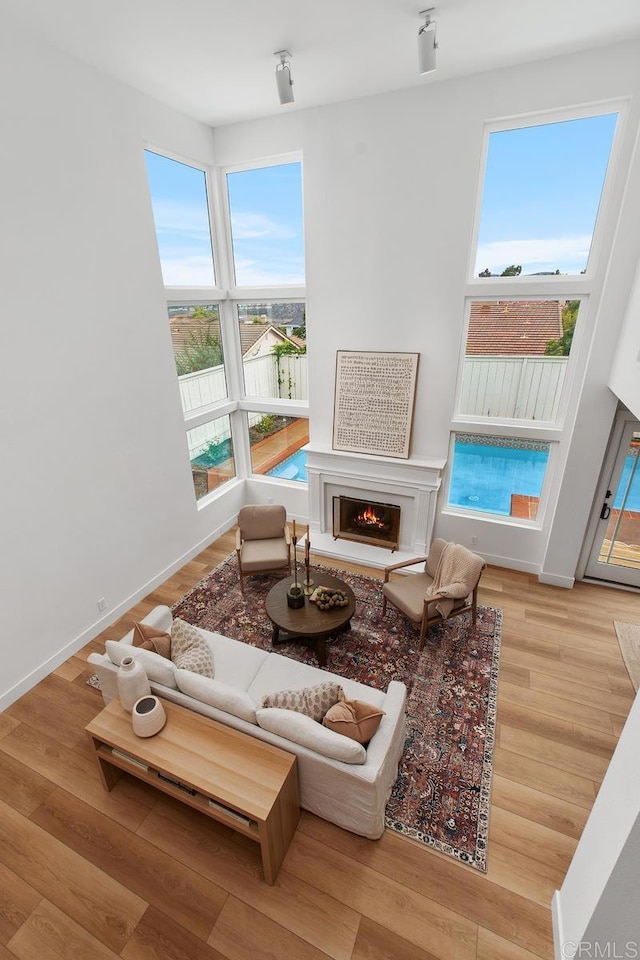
(446, 587)
(263, 544)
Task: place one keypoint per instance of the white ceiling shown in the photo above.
(213, 59)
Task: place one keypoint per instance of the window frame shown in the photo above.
(500, 518)
(572, 282)
(227, 296)
(584, 287)
(269, 292)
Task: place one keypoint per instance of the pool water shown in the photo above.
(293, 468)
(633, 493)
(217, 453)
(484, 477)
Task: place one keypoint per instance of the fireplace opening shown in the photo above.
(366, 521)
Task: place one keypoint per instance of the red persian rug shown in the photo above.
(441, 797)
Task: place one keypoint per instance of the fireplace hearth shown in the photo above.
(366, 521)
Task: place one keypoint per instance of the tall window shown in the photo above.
(265, 206)
(196, 337)
(542, 189)
(181, 214)
(525, 307)
(263, 244)
(516, 358)
(274, 349)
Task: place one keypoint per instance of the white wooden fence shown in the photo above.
(261, 377)
(261, 380)
(521, 388)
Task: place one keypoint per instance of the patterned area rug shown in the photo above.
(441, 797)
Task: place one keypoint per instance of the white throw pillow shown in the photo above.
(309, 733)
(157, 668)
(221, 695)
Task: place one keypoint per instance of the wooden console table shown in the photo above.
(230, 776)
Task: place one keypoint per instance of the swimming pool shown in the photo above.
(293, 468)
(629, 483)
(484, 476)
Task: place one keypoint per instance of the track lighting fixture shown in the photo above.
(283, 77)
(427, 43)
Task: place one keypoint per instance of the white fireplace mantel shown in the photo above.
(411, 484)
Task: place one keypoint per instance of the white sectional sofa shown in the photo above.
(339, 779)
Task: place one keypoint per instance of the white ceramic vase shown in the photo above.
(132, 682)
(148, 716)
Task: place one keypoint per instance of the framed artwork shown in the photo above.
(373, 403)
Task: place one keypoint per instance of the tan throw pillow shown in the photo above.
(354, 719)
(150, 638)
(189, 649)
(311, 701)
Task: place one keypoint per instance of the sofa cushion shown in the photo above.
(279, 673)
(157, 668)
(218, 694)
(236, 663)
(308, 733)
(150, 638)
(312, 701)
(353, 718)
(190, 650)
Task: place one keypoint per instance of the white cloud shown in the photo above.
(268, 274)
(187, 272)
(567, 254)
(181, 219)
(256, 226)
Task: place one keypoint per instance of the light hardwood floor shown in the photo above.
(86, 874)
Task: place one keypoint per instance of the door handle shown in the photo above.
(605, 513)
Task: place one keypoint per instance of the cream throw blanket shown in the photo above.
(456, 575)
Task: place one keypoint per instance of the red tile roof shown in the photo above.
(508, 327)
(184, 328)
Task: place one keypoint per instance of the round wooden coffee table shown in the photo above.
(308, 624)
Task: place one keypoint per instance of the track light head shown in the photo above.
(283, 77)
(427, 45)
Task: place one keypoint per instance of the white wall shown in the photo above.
(390, 188)
(96, 492)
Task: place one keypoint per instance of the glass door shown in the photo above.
(615, 554)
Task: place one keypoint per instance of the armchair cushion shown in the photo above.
(407, 593)
(262, 521)
(262, 554)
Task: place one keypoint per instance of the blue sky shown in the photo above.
(542, 189)
(266, 216)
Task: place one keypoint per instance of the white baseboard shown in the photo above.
(44, 669)
(556, 580)
(558, 931)
(508, 563)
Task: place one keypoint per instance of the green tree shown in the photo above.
(280, 350)
(562, 346)
(485, 273)
(202, 313)
(513, 270)
(201, 351)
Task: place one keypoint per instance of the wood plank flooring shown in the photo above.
(134, 874)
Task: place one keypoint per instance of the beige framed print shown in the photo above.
(373, 402)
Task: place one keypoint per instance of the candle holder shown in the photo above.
(295, 593)
(308, 582)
